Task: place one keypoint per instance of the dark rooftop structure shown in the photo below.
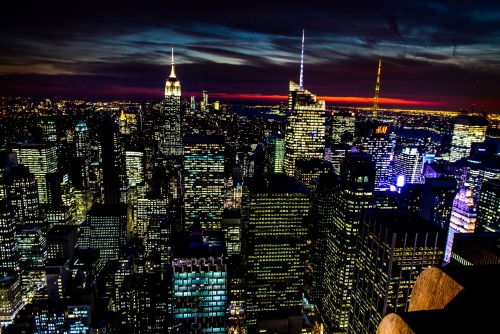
(476, 249)
(279, 183)
(451, 299)
(403, 221)
(198, 243)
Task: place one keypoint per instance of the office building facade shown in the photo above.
(204, 181)
(354, 195)
(274, 244)
(488, 215)
(466, 130)
(41, 159)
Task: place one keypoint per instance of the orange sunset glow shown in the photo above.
(330, 99)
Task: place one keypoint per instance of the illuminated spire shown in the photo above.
(172, 85)
(301, 82)
(122, 116)
(172, 72)
(377, 89)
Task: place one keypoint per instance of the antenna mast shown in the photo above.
(377, 89)
(301, 82)
(475, 97)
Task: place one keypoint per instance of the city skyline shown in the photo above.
(435, 54)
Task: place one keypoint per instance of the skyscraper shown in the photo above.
(22, 192)
(106, 229)
(319, 229)
(408, 166)
(9, 247)
(114, 178)
(437, 199)
(305, 127)
(134, 163)
(393, 248)
(479, 172)
(306, 170)
(158, 241)
(199, 283)
(171, 115)
(305, 124)
(146, 207)
(11, 299)
(144, 303)
(379, 146)
(275, 151)
(354, 195)
(83, 156)
(205, 100)
(488, 215)
(342, 127)
(274, 236)
(49, 127)
(204, 181)
(466, 130)
(463, 218)
(10, 279)
(41, 159)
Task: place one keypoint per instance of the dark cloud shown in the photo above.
(431, 49)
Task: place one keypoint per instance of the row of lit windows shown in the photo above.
(199, 293)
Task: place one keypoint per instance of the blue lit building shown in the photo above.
(199, 283)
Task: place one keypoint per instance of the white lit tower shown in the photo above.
(305, 124)
(171, 115)
(463, 218)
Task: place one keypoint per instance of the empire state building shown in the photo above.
(171, 115)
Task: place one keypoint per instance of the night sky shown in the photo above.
(435, 54)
